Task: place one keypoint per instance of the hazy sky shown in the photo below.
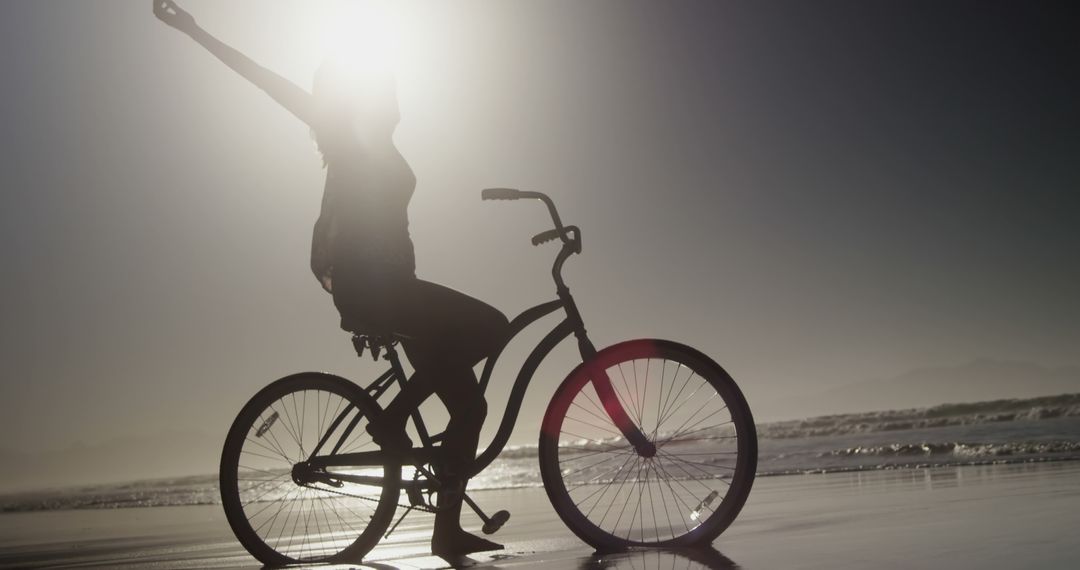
(815, 193)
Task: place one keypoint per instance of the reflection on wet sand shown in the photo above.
(633, 559)
(828, 522)
(659, 559)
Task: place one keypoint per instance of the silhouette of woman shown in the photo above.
(362, 254)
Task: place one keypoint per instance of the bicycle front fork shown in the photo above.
(631, 431)
(614, 408)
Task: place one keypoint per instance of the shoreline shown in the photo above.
(6, 510)
(985, 517)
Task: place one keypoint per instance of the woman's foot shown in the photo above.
(457, 542)
(448, 538)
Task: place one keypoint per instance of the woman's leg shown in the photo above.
(457, 387)
(447, 333)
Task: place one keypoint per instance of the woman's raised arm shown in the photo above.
(286, 93)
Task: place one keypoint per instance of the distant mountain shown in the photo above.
(979, 380)
(168, 454)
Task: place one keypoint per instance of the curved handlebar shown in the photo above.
(544, 237)
(570, 235)
(560, 231)
(500, 194)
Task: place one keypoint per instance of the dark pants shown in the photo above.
(446, 333)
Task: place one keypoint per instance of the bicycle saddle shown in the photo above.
(367, 336)
(360, 328)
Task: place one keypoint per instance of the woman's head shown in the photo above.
(354, 104)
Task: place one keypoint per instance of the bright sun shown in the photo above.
(362, 34)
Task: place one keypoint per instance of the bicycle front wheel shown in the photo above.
(284, 514)
(686, 493)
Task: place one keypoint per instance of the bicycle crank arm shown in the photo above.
(618, 415)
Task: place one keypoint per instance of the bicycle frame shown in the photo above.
(572, 324)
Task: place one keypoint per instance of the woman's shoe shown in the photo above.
(448, 539)
(457, 542)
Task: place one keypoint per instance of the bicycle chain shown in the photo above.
(421, 508)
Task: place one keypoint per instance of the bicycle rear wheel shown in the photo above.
(685, 494)
(283, 515)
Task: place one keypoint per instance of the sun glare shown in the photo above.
(361, 34)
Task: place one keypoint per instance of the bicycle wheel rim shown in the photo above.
(690, 408)
(277, 519)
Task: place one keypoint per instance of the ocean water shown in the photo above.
(1004, 431)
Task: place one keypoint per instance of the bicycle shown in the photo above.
(302, 482)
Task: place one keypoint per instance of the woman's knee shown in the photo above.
(490, 328)
(469, 415)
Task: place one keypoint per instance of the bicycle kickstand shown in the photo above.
(493, 523)
(393, 527)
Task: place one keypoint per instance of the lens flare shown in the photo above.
(361, 35)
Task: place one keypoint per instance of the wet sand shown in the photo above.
(985, 517)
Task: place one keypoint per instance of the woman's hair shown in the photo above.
(352, 103)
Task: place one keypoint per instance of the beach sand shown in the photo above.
(984, 517)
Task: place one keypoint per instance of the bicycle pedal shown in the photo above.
(493, 524)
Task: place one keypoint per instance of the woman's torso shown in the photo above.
(363, 228)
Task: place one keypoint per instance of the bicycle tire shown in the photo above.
(722, 455)
(257, 445)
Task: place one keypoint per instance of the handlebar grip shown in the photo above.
(500, 194)
(544, 237)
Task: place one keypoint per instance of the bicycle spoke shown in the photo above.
(593, 425)
(581, 437)
(694, 414)
(590, 466)
(675, 498)
(614, 498)
(687, 430)
(675, 480)
(695, 463)
(629, 497)
(303, 416)
(582, 408)
(561, 461)
(285, 425)
(645, 395)
(682, 437)
(272, 441)
(268, 448)
(265, 493)
(277, 444)
(605, 488)
(688, 398)
(672, 399)
(283, 505)
(297, 505)
(652, 505)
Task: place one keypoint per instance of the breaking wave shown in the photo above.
(946, 415)
(959, 449)
(1002, 431)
